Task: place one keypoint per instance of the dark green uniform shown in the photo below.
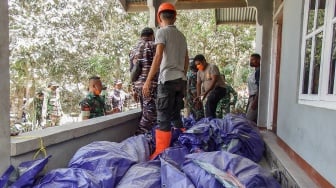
(224, 104)
(38, 104)
(95, 103)
(196, 111)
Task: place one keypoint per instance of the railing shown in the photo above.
(63, 141)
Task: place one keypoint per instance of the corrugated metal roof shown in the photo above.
(245, 15)
(239, 14)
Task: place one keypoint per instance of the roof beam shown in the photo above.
(209, 4)
(140, 6)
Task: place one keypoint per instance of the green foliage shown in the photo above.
(227, 46)
(67, 41)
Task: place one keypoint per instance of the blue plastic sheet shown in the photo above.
(4, 179)
(116, 157)
(234, 134)
(142, 175)
(220, 169)
(75, 178)
(172, 175)
(109, 164)
(99, 164)
(28, 172)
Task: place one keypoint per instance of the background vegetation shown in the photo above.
(67, 41)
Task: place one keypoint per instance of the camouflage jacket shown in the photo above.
(95, 103)
(51, 104)
(38, 104)
(230, 92)
(143, 53)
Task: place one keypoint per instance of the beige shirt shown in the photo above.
(205, 77)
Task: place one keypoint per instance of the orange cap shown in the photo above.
(164, 7)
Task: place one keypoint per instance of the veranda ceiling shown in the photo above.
(227, 11)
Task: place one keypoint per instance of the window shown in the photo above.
(317, 85)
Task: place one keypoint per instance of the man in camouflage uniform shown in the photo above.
(143, 53)
(104, 94)
(51, 110)
(93, 105)
(37, 105)
(225, 103)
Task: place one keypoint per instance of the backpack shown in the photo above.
(135, 71)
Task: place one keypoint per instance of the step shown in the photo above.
(285, 169)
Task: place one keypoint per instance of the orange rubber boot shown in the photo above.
(162, 141)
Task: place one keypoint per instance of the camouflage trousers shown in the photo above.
(197, 111)
(148, 107)
(53, 120)
(223, 108)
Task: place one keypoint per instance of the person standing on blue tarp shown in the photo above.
(195, 109)
(171, 61)
(210, 85)
(143, 53)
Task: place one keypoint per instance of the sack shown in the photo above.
(135, 71)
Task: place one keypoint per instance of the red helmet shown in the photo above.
(164, 7)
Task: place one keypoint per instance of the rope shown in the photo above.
(42, 149)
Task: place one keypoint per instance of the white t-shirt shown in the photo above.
(251, 84)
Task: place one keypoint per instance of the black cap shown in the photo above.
(199, 57)
(147, 31)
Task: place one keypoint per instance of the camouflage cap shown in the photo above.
(39, 92)
(117, 82)
(50, 84)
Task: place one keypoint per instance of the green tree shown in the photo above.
(69, 40)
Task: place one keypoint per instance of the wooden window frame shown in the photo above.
(322, 99)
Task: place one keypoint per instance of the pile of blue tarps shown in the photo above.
(25, 175)
(203, 156)
(234, 134)
(108, 164)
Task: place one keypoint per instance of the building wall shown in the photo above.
(309, 131)
(4, 88)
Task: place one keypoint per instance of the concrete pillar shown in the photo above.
(153, 6)
(264, 46)
(4, 88)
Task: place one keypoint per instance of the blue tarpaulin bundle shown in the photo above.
(144, 174)
(211, 169)
(4, 179)
(76, 178)
(126, 165)
(100, 164)
(25, 175)
(234, 134)
(223, 169)
(28, 171)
